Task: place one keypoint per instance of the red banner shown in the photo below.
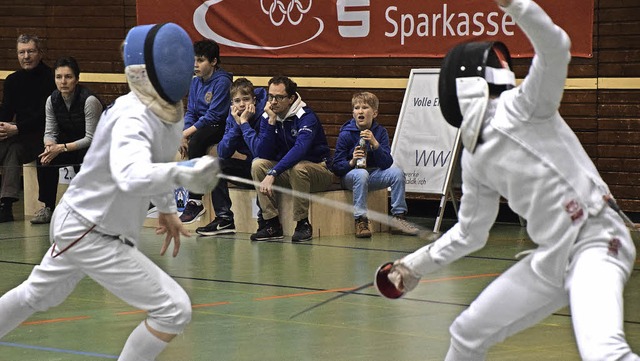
(360, 28)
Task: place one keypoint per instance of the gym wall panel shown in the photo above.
(601, 101)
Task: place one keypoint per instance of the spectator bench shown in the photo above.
(30, 189)
(325, 219)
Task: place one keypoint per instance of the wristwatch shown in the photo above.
(272, 172)
(65, 147)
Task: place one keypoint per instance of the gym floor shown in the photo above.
(244, 293)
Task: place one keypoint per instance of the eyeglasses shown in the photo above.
(28, 51)
(278, 97)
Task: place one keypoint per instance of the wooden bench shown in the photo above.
(325, 219)
(30, 189)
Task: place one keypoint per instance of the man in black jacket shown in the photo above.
(22, 118)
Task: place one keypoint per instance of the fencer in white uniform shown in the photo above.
(95, 228)
(518, 146)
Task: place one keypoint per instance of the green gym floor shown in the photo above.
(243, 295)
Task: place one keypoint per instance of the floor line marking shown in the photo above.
(55, 320)
(291, 295)
(456, 278)
(53, 349)
(305, 294)
(201, 305)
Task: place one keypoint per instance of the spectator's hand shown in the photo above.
(170, 224)
(234, 114)
(359, 153)
(367, 134)
(270, 113)
(184, 148)
(50, 152)
(245, 115)
(7, 130)
(266, 186)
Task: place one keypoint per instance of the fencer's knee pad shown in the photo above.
(174, 317)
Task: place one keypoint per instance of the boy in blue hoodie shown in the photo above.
(240, 135)
(293, 153)
(207, 110)
(378, 171)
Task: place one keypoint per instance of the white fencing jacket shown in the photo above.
(529, 156)
(125, 168)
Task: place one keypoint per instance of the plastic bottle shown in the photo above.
(362, 162)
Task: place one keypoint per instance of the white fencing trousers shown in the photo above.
(518, 299)
(120, 268)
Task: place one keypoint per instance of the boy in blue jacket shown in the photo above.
(379, 171)
(207, 110)
(293, 153)
(240, 135)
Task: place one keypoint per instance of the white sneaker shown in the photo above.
(43, 216)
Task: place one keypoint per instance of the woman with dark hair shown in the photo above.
(72, 113)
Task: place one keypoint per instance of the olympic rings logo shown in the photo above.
(278, 9)
(278, 12)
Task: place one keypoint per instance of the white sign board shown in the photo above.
(424, 144)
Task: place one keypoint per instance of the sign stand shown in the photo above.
(448, 187)
(424, 145)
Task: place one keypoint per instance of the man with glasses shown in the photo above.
(292, 152)
(22, 118)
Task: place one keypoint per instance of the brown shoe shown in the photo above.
(362, 228)
(399, 225)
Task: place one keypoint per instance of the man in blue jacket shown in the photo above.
(376, 172)
(293, 152)
(207, 110)
(240, 135)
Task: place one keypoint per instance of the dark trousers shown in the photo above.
(220, 198)
(199, 143)
(48, 175)
(14, 152)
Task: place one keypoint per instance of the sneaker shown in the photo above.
(43, 216)
(303, 232)
(6, 212)
(217, 226)
(272, 230)
(362, 228)
(191, 212)
(399, 225)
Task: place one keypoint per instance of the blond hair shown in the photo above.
(367, 98)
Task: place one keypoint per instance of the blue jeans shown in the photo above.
(361, 181)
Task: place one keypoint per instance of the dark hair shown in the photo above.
(290, 86)
(242, 86)
(69, 61)
(207, 48)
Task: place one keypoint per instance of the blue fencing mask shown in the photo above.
(158, 63)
